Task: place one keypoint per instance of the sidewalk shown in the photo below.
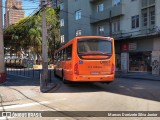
(143, 76)
(17, 87)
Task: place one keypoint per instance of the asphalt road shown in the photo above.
(145, 89)
(120, 95)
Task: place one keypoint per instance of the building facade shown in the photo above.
(134, 24)
(13, 12)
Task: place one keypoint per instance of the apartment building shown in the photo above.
(134, 24)
(13, 12)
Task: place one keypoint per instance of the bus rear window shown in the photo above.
(94, 46)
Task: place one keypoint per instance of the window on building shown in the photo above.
(62, 38)
(152, 16)
(148, 14)
(100, 7)
(62, 22)
(135, 21)
(100, 30)
(116, 2)
(78, 14)
(116, 26)
(78, 32)
(146, 3)
(61, 6)
(151, 2)
(144, 19)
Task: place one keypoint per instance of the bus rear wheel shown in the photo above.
(63, 79)
(106, 82)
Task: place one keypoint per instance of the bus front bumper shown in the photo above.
(94, 78)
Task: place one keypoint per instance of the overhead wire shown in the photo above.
(32, 14)
(17, 9)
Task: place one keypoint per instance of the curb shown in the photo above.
(3, 77)
(16, 95)
(49, 87)
(10, 93)
(142, 78)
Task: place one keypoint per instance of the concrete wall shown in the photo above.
(156, 62)
(131, 8)
(84, 22)
(156, 44)
(142, 44)
(64, 15)
(157, 13)
(156, 56)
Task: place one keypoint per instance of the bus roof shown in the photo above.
(80, 37)
(93, 37)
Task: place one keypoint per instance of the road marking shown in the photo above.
(5, 118)
(23, 105)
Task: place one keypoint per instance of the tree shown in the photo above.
(26, 34)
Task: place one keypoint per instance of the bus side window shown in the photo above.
(69, 52)
(65, 54)
(55, 57)
(61, 55)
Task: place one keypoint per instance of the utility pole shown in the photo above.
(44, 77)
(2, 67)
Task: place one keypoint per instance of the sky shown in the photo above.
(28, 5)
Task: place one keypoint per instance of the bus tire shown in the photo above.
(63, 79)
(106, 82)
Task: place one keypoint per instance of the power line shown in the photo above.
(35, 12)
(17, 9)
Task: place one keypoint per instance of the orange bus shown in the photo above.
(86, 59)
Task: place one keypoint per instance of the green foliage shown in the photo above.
(27, 33)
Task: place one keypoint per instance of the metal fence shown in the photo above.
(29, 72)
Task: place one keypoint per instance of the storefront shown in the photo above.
(140, 62)
(135, 57)
(138, 54)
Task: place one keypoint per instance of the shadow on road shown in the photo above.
(129, 87)
(14, 80)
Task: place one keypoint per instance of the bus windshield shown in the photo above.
(94, 47)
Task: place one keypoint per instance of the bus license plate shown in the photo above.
(94, 73)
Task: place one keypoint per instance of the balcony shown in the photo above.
(117, 10)
(100, 16)
(96, 17)
(92, 1)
